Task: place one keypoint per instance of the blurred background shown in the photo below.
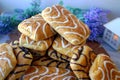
(112, 5)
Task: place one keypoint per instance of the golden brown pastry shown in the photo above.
(49, 62)
(7, 60)
(37, 54)
(66, 24)
(14, 43)
(64, 47)
(82, 61)
(24, 59)
(48, 73)
(57, 56)
(42, 45)
(104, 68)
(36, 28)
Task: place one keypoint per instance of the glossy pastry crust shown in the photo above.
(36, 28)
(64, 47)
(41, 45)
(48, 73)
(82, 61)
(104, 68)
(24, 59)
(57, 56)
(7, 60)
(37, 54)
(66, 24)
(49, 62)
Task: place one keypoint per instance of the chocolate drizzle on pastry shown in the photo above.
(55, 53)
(86, 60)
(22, 71)
(41, 55)
(81, 62)
(23, 49)
(58, 56)
(20, 65)
(24, 58)
(47, 61)
(26, 52)
(17, 72)
(83, 79)
(92, 57)
(78, 54)
(64, 59)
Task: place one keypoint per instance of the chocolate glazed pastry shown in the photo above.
(24, 59)
(82, 61)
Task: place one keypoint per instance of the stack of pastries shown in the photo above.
(52, 46)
